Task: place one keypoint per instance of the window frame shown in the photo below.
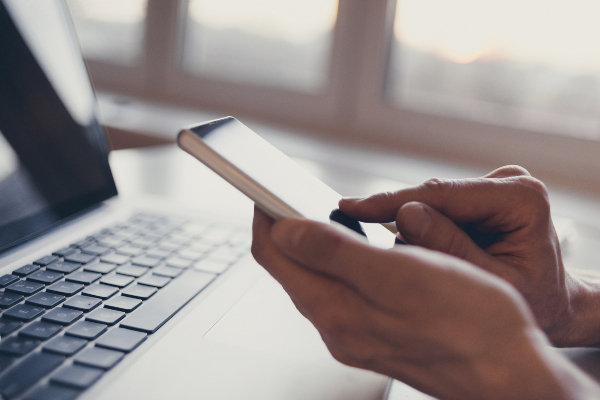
(353, 106)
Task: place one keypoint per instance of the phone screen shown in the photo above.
(281, 176)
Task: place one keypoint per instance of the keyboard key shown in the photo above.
(190, 254)
(45, 277)
(96, 249)
(9, 299)
(25, 288)
(26, 270)
(100, 291)
(170, 247)
(162, 306)
(83, 277)
(179, 262)
(132, 270)
(83, 242)
(112, 242)
(130, 250)
(5, 362)
(154, 280)
(158, 253)
(53, 393)
(45, 299)
(117, 280)
(64, 267)
(99, 358)
(45, 260)
(170, 272)
(121, 303)
(115, 258)
(27, 373)
(62, 316)
(120, 339)
(65, 288)
(17, 345)
(82, 303)
(7, 279)
(100, 267)
(40, 330)
(24, 312)
(86, 330)
(65, 345)
(105, 316)
(77, 376)
(145, 261)
(212, 266)
(142, 242)
(65, 251)
(139, 291)
(80, 258)
(7, 326)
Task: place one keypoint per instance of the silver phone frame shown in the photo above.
(263, 198)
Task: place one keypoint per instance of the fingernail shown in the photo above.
(353, 199)
(287, 234)
(416, 223)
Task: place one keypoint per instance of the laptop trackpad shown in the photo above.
(265, 319)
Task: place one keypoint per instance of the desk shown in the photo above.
(350, 171)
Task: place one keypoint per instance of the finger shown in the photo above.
(329, 305)
(467, 200)
(266, 254)
(422, 225)
(383, 277)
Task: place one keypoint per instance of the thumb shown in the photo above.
(424, 226)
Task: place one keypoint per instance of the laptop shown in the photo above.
(102, 300)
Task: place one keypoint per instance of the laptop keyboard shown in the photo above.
(72, 315)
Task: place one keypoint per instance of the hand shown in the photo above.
(431, 320)
(501, 223)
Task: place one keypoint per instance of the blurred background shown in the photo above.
(475, 83)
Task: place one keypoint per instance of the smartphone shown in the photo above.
(276, 184)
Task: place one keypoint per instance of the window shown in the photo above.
(472, 81)
(528, 64)
(110, 30)
(280, 43)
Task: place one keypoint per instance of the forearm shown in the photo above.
(524, 366)
(564, 379)
(582, 326)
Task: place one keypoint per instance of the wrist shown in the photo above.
(580, 325)
(529, 368)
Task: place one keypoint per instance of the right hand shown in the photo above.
(428, 319)
(500, 222)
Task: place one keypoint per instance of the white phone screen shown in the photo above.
(279, 174)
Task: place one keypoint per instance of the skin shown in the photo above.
(500, 222)
(440, 322)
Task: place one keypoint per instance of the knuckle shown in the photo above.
(458, 247)
(438, 186)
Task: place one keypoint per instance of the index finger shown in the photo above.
(463, 201)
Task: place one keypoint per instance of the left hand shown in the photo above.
(431, 320)
(501, 223)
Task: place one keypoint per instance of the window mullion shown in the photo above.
(161, 42)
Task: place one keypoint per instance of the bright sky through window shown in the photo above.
(294, 21)
(277, 43)
(565, 33)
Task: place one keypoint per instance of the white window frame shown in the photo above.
(352, 106)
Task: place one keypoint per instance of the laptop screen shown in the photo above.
(53, 152)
